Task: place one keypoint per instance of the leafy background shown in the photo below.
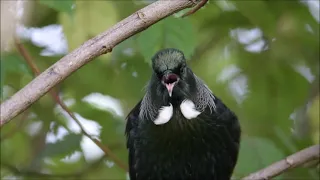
(260, 57)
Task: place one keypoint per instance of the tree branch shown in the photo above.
(101, 44)
(294, 160)
(22, 50)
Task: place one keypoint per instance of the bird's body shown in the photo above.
(179, 130)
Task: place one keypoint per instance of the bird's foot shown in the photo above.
(196, 8)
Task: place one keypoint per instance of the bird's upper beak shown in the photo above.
(170, 80)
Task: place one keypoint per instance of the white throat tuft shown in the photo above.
(165, 114)
(188, 109)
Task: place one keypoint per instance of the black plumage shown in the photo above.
(200, 143)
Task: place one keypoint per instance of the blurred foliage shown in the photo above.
(171, 32)
(63, 6)
(260, 57)
(88, 15)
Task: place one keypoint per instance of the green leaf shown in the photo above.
(13, 63)
(63, 6)
(274, 93)
(259, 14)
(169, 33)
(69, 143)
(256, 153)
(16, 149)
(58, 166)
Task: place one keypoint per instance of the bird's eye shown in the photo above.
(159, 74)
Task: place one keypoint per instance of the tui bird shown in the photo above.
(180, 130)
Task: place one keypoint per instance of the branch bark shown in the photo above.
(294, 160)
(101, 44)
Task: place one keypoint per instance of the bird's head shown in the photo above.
(172, 79)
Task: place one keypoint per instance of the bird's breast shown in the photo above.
(179, 149)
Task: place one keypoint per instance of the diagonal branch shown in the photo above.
(294, 160)
(101, 44)
(22, 50)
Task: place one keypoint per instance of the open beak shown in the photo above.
(170, 88)
(170, 80)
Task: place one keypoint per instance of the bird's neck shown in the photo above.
(153, 104)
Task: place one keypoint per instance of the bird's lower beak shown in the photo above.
(170, 80)
(170, 88)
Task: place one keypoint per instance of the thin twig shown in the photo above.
(294, 160)
(22, 50)
(97, 46)
(196, 8)
(26, 56)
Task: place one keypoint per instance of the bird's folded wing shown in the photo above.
(132, 124)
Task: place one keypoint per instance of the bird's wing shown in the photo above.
(131, 126)
(229, 130)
